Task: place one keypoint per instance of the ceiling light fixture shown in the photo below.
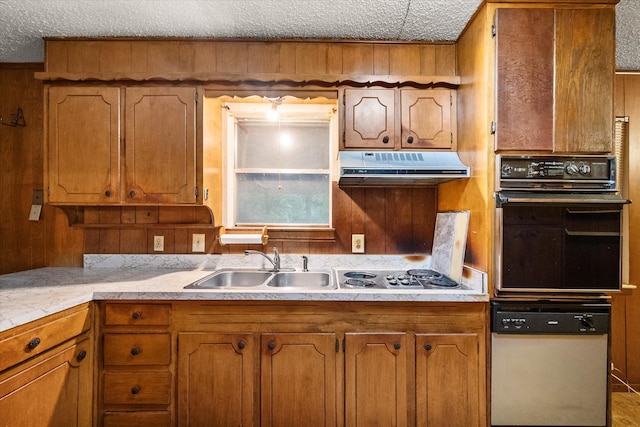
(273, 113)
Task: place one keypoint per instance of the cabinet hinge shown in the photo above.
(493, 128)
(493, 30)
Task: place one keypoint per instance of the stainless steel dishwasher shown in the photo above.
(549, 363)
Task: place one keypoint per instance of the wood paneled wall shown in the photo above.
(196, 59)
(394, 221)
(22, 241)
(625, 334)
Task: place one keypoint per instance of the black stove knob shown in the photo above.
(586, 322)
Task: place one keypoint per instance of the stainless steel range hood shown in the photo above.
(399, 168)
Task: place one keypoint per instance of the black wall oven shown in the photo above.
(558, 225)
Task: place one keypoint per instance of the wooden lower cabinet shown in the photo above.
(447, 380)
(376, 379)
(46, 371)
(298, 363)
(216, 379)
(136, 366)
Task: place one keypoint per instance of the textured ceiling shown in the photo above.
(23, 23)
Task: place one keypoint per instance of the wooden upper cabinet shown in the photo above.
(83, 151)
(428, 118)
(399, 119)
(160, 155)
(369, 118)
(554, 79)
(95, 159)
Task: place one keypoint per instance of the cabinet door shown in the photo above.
(447, 380)
(585, 72)
(298, 379)
(555, 71)
(376, 379)
(55, 390)
(83, 145)
(524, 79)
(428, 118)
(160, 155)
(369, 118)
(216, 377)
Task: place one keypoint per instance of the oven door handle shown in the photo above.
(503, 198)
(591, 233)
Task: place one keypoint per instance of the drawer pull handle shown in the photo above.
(135, 351)
(80, 357)
(271, 345)
(33, 343)
(241, 345)
(136, 315)
(427, 347)
(396, 345)
(135, 390)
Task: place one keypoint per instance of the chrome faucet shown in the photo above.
(275, 261)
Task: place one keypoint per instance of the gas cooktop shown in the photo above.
(394, 279)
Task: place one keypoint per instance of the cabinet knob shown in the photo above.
(385, 139)
(396, 345)
(271, 345)
(80, 357)
(410, 140)
(427, 347)
(33, 343)
(135, 351)
(241, 345)
(132, 193)
(136, 315)
(107, 193)
(135, 390)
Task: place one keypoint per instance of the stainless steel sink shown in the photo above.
(302, 280)
(232, 279)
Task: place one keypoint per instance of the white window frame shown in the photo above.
(252, 109)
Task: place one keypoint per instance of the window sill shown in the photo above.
(303, 234)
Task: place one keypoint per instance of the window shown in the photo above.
(279, 170)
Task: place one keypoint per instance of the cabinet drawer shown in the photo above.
(142, 388)
(136, 419)
(137, 314)
(137, 349)
(29, 342)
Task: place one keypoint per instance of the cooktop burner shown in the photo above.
(393, 279)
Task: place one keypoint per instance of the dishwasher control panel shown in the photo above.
(553, 319)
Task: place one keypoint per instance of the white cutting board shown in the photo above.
(449, 243)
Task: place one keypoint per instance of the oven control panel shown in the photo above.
(557, 173)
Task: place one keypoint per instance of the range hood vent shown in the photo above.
(399, 168)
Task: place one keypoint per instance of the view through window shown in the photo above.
(279, 167)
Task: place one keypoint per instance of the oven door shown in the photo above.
(566, 243)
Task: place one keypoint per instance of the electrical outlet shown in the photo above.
(357, 243)
(158, 243)
(197, 244)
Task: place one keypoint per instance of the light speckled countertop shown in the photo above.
(30, 295)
